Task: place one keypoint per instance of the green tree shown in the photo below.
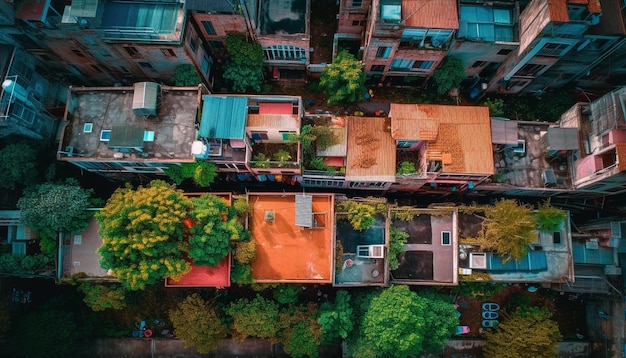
(50, 209)
(244, 66)
(549, 218)
(301, 342)
(245, 251)
(528, 332)
(397, 240)
(400, 323)
(286, 293)
(344, 80)
(142, 234)
(449, 74)
(186, 75)
(202, 173)
(336, 318)
(101, 297)
(198, 324)
(216, 226)
(258, 317)
(18, 165)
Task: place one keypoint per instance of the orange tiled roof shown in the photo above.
(459, 136)
(371, 150)
(431, 14)
(558, 8)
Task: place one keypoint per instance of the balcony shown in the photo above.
(275, 155)
(142, 22)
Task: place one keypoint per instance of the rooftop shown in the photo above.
(430, 255)
(103, 126)
(286, 252)
(283, 17)
(80, 252)
(440, 14)
(371, 150)
(459, 136)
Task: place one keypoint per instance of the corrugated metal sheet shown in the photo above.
(371, 151)
(563, 138)
(503, 132)
(429, 14)
(462, 132)
(224, 117)
(533, 261)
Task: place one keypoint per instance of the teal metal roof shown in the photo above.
(224, 117)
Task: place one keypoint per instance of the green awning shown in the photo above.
(223, 117)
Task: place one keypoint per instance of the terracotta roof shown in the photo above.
(620, 149)
(371, 150)
(558, 8)
(431, 14)
(592, 5)
(459, 136)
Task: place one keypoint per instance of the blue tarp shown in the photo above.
(223, 117)
(533, 261)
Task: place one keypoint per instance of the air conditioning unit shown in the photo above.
(370, 251)
(145, 99)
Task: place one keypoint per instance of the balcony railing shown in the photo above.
(274, 164)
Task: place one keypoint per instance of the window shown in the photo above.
(78, 53)
(530, 70)
(78, 239)
(259, 135)
(285, 53)
(168, 52)
(554, 49)
(425, 38)
(486, 23)
(504, 51)
(208, 27)
(422, 65)
(147, 66)
(192, 44)
(479, 64)
(446, 238)
(105, 135)
(97, 68)
(556, 237)
(357, 3)
(124, 69)
(23, 113)
(383, 52)
(206, 65)
(357, 23)
(378, 68)
(88, 127)
(132, 51)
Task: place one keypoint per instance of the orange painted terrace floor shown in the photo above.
(290, 253)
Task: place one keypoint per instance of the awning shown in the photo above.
(223, 117)
(275, 108)
(503, 131)
(563, 138)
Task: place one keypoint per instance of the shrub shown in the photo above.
(397, 240)
(406, 168)
(549, 218)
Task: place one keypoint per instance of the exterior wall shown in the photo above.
(352, 19)
(202, 60)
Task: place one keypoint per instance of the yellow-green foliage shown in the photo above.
(404, 214)
(509, 228)
(241, 205)
(101, 297)
(142, 231)
(197, 323)
(529, 332)
(361, 214)
(397, 240)
(245, 251)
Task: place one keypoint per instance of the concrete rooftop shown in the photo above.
(168, 136)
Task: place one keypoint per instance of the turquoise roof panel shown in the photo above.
(224, 117)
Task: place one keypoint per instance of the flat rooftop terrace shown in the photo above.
(286, 252)
(166, 136)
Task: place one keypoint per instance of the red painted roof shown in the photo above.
(205, 276)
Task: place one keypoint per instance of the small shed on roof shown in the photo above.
(563, 138)
(223, 117)
(503, 131)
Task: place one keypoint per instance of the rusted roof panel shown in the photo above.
(438, 14)
(459, 134)
(371, 150)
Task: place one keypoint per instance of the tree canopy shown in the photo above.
(142, 234)
(186, 75)
(198, 324)
(449, 74)
(244, 66)
(202, 173)
(344, 80)
(216, 225)
(336, 318)
(400, 323)
(528, 332)
(52, 208)
(100, 297)
(258, 317)
(18, 165)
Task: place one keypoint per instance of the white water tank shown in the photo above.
(12, 88)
